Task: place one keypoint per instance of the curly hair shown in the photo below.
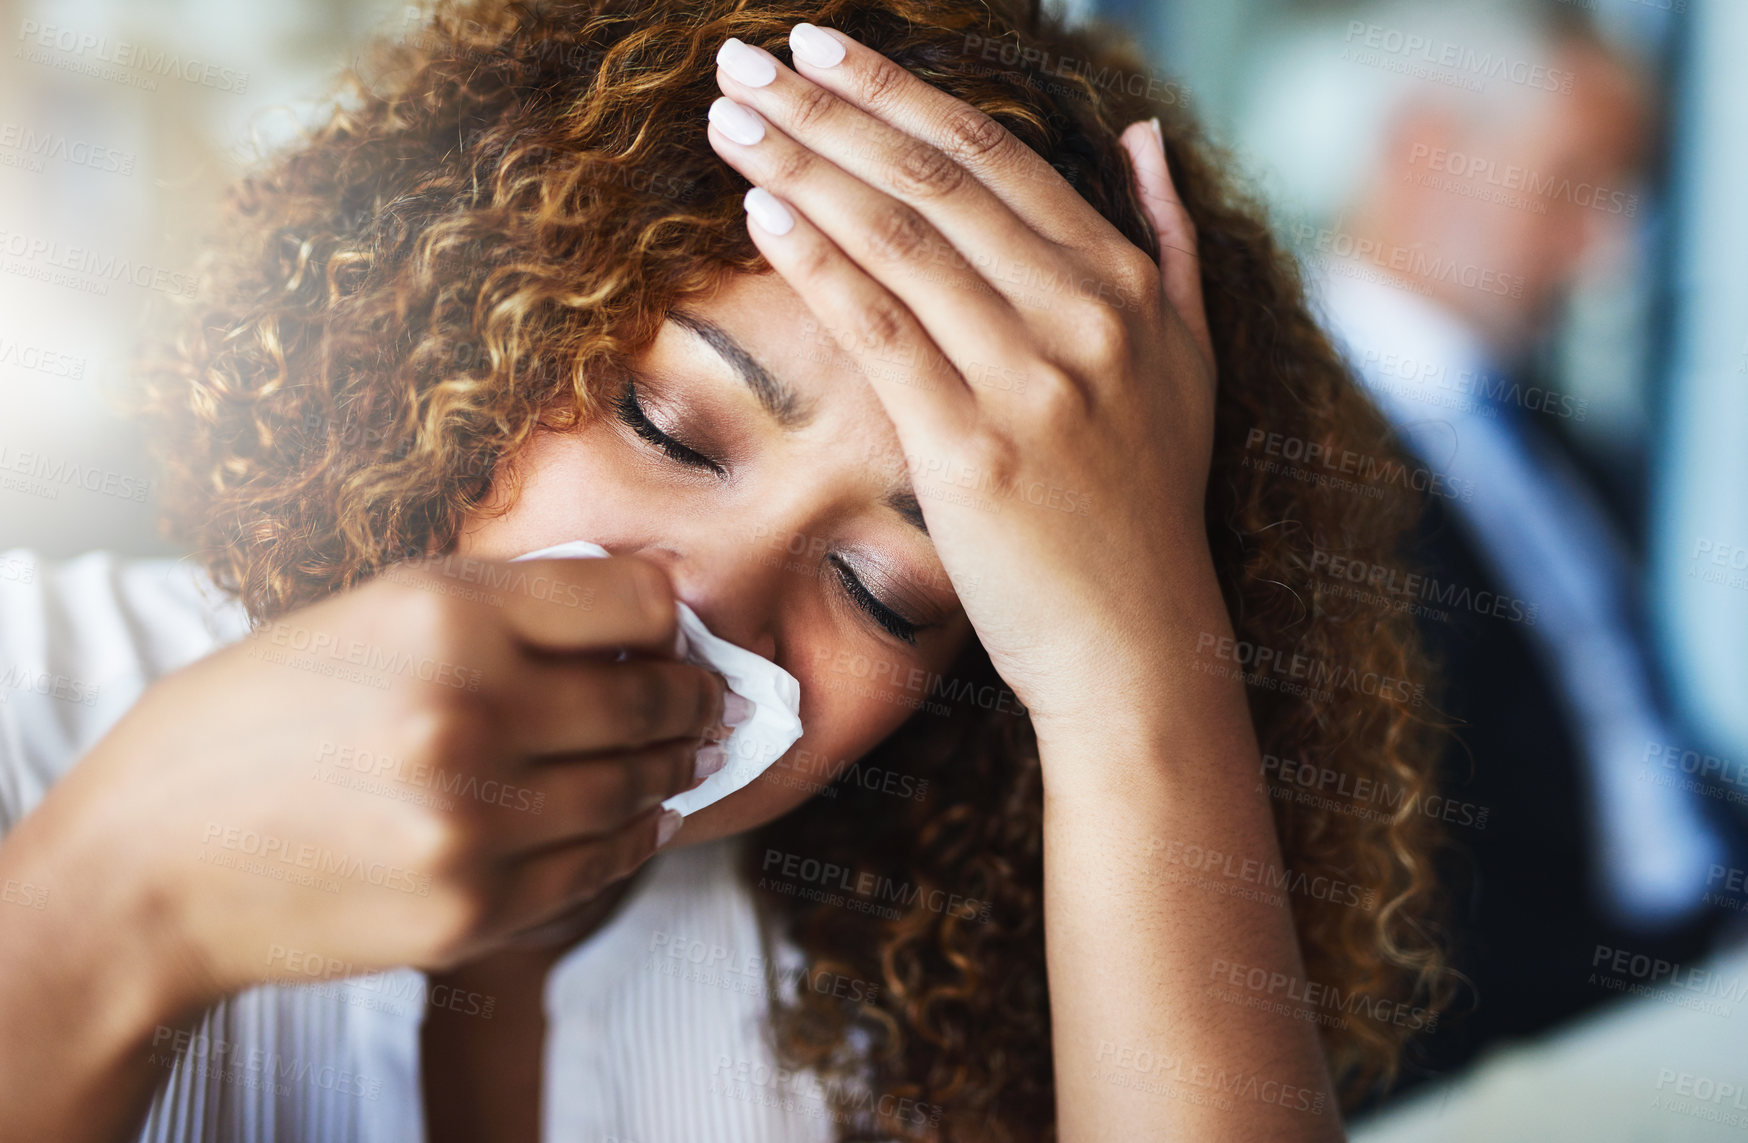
(500, 208)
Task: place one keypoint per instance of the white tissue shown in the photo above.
(755, 744)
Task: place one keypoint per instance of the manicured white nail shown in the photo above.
(740, 124)
(668, 826)
(1158, 133)
(745, 63)
(768, 211)
(815, 46)
(711, 757)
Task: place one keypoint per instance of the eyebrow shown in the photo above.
(774, 397)
(904, 502)
(782, 402)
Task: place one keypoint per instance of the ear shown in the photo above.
(1179, 263)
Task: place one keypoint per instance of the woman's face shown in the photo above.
(751, 460)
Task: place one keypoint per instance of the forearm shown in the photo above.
(1146, 1041)
(83, 993)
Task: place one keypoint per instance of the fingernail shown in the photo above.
(736, 709)
(668, 826)
(711, 758)
(1158, 133)
(745, 63)
(768, 211)
(680, 647)
(815, 46)
(740, 124)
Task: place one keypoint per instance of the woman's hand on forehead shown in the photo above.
(1059, 419)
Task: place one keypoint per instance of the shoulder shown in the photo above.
(80, 639)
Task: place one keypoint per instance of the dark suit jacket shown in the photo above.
(1526, 923)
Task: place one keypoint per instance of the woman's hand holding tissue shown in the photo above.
(444, 757)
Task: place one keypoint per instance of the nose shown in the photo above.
(730, 582)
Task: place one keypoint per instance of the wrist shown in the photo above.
(108, 943)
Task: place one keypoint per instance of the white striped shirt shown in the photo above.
(656, 1028)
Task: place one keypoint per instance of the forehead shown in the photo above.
(802, 353)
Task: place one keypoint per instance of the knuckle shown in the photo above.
(644, 703)
(461, 912)
(971, 135)
(899, 234)
(882, 324)
(681, 763)
(596, 869)
(921, 171)
(1102, 333)
(1134, 271)
(445, 726)
(652, 592)
(995, 456)
(816, 261)
(616, 794)
(791, 166)
(880, 83)
(811, 106)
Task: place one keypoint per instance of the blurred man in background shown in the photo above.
(1505, 152)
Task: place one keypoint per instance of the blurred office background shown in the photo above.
(109, 169)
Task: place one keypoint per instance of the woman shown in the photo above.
(974, 427)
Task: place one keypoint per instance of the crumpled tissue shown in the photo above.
(755, 744)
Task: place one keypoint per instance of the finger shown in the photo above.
(543, 887)
(1179, 264)
(891, 240)
(973, 219)
(1030, 187)
(560, 705)
(575, 798)
(927, 400)
(617, 602)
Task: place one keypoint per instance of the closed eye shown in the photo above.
(898, 625)
(630, 410)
